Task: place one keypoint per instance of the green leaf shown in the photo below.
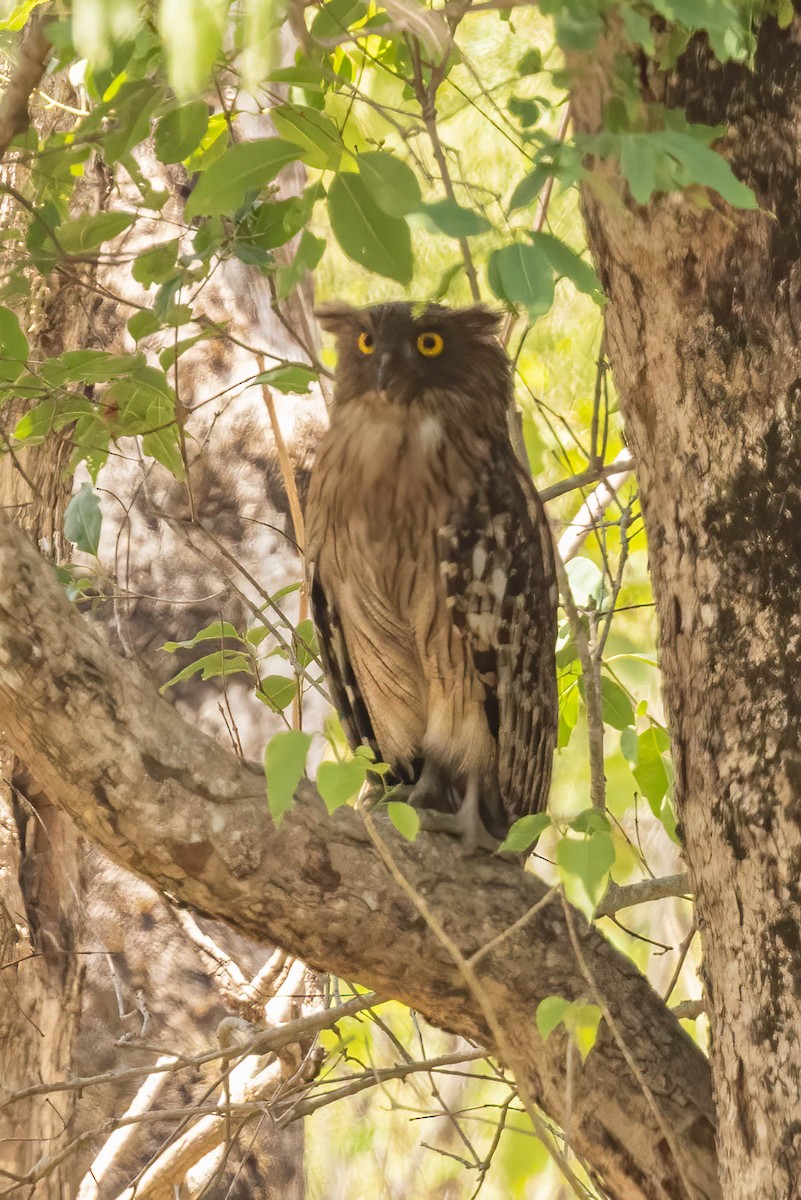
(582, 1021)
(13, 346)
(590, 820)
(163, 442)
(405, 819)
(90, 230)
(521, 274)
(586, 582)
(181, 131)
(143, 323)
(307, 256)
(568, 714)
(82, 520)
(529, 187)
(90, 440)
(530, 63)
(567, 264)
(277, 692)
(215, 632)
(292, 379)
(338, 782)
(615, 704)
(370, 237)
(391, 184)
(50, 416)
(156, 265)
(88, 366)
(212, 666)
(650, 770)
(629, 745)
(335, 17)
(585, 862)
(246, 166)
(550, 1013)
(524, 832)
(450, 218)
(192, 31)
(316, 136)
(703, 165)
(527, 111)
(304, 642)
(284, 766)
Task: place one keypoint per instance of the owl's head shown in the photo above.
(443, 359)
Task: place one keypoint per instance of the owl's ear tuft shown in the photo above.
(337, 316)
(480, 321)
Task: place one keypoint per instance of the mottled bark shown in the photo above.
(159, 796)
(703, 333)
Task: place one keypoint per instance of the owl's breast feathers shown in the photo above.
(433, 587)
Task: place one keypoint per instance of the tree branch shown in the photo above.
(34, 52)
(169, 803)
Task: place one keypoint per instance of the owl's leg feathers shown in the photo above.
(465, 824)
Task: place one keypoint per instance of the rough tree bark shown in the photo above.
(174, 806)
(703, 334)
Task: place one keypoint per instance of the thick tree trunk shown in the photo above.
(703, 333)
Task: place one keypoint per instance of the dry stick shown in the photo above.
(296, 512)
(267, 1039)
(34, 52)
(592, 687)
(600, 1000)
(595, 506)
(373, 1078)
(473, 982)
(683, 949)
(90, 1188)
(426, 98)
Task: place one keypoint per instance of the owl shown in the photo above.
(430, 567)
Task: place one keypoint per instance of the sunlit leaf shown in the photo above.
(405, 819)
(90, 230)
(371, 237)
(450, 218)
(315, 135)
(180, 131)
(521, 274)
(243, 167)
(338, 782)
(284, 766)
(524, 832)
(391, 184)
(550, 1013)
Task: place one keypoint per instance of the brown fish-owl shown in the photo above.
(431, 569)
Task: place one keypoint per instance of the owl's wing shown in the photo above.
(497, 561)
(339, 675)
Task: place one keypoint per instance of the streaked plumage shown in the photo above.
(430, 563)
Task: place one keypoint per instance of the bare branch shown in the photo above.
(617, 897)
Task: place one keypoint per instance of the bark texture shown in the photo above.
(703, 334)
(172, 805)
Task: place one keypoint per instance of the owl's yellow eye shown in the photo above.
(366, 342)
(430, 344)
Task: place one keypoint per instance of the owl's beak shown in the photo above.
(382, 371)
